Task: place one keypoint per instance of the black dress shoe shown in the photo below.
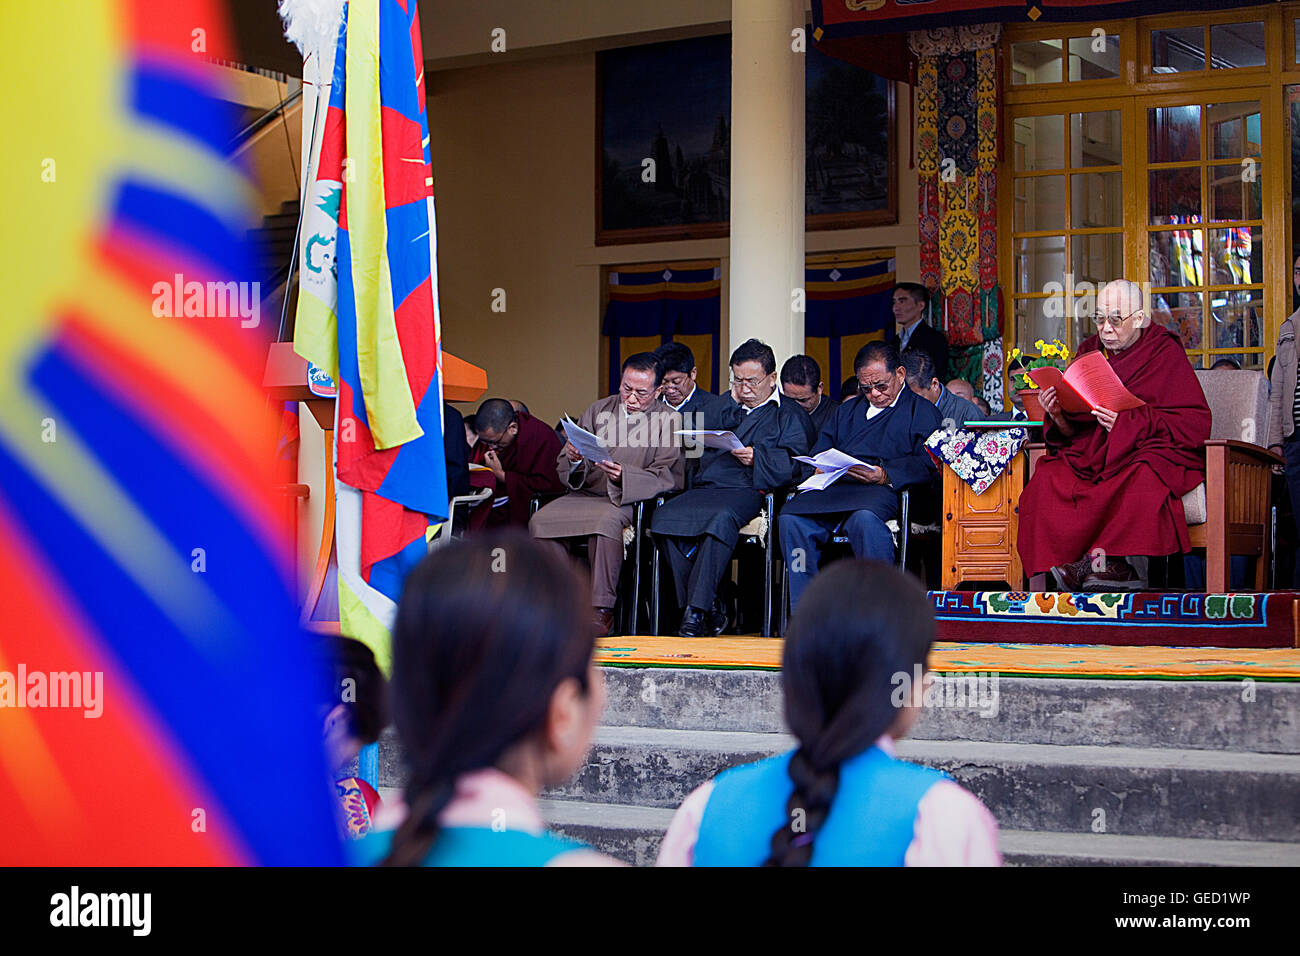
(694, 623)
(719, 619)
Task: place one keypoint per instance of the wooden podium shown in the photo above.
(285, 380)
(979, 531)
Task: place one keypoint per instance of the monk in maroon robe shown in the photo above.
(1111, 486)
(519, 452)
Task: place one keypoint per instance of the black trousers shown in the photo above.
(698, 565)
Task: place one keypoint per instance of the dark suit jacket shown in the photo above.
(724, 494)
(457, 450)
(822, 413)
(697, 411)
(895, 439)
(957, 409)
(928, 340)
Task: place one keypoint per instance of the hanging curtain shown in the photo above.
(849, 303)
(957, 154)
(657, 303)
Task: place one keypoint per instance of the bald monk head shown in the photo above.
(519, 406)
(1120, 315)
(497, 423)
(962, 388)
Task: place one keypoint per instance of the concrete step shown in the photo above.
(633, 834)
(1259, 717)
(1040, 787)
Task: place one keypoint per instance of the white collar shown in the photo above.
(873, 411)
(678, 408)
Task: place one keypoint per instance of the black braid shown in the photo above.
(838, 672)
(414, 838)
(806, 810)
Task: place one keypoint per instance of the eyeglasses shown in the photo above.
(1114, 321)
(749, 383)
(497, 443)
(881, 387)
(640, 393)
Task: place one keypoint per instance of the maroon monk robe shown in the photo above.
(529, 464)
(1121, 490)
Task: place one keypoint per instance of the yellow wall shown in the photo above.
(514, 166)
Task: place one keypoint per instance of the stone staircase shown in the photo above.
(1077, 772)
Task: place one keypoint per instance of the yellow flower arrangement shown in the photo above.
(1054, 353)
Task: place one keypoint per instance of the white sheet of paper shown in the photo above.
(714, 439)
(588, 445)
(824, 480)
(833, 459)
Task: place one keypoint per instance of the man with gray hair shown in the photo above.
(1109, 493)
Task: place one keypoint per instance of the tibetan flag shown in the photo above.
(157, 699)
(368, 315)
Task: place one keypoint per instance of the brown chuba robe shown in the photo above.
(648, 448)
(1120, 491)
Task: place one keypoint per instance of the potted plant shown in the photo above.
(1053, 353)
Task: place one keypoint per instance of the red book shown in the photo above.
(1089, 383)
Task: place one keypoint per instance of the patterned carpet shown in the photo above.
(1028, 660)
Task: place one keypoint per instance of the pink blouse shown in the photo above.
(952, 827)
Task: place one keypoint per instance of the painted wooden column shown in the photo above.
(767, 175)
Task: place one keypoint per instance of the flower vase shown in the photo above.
(1033, 405)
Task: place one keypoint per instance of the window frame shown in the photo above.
(1132, 94)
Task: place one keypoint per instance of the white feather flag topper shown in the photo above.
(311, 25)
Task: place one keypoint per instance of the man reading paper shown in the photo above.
(885, 426)
(638, 457)
(1108, 495)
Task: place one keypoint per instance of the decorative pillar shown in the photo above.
(767, 175)
(957, 112)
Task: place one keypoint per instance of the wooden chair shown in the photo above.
(1229, 513)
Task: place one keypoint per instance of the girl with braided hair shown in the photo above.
(841, 798)
(495, 698)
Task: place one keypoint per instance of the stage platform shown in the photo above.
(1009, 660)
(1153, 619)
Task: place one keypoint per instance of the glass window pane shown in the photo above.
(1234, 129)
(1039, 260)
(1174, 196)
(1237, 44)
(1096, 199)
(1036, 62)
(1043, 142)
(1174, 51)
(1236, 191)
(1039, 319)
(1097, 258)
(1236, 256)
(1094, 58)
(1296, 33)
(1176, 257)
(1181, 313)
(1095, 139)
(1236, 318)
(1173, 134)
(1045, 205)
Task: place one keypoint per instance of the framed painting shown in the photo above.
(663, 143)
